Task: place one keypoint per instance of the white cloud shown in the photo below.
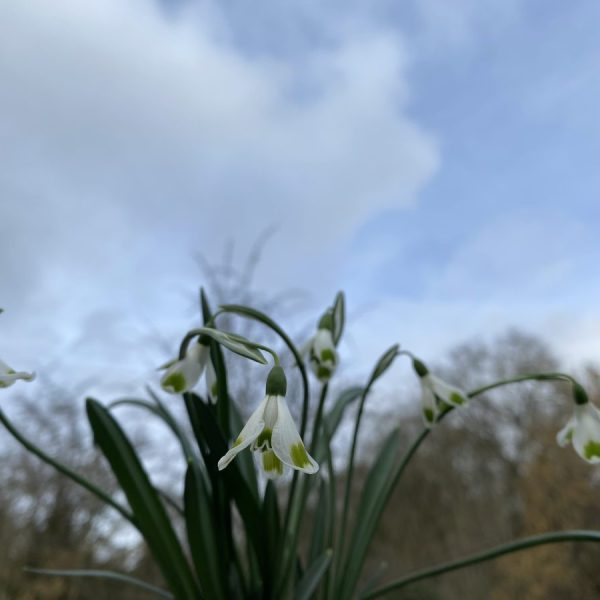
(131, 140)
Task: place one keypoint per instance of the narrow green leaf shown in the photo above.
(160, 412)
(96, 574)
(150, 514)
(202, 537)
(384, 362)
(372, 502)
(312, 576)
(68, 472)
(272, 530)
(339, 317)
(318, 539)
(207, 432)
(236, 343)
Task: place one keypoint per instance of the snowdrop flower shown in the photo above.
(271, 431)
(322, 353)
(8, 376)
(583, 428)
(182, 375)
(435, 393)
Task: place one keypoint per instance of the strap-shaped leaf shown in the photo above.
(312, 576)
(236, 343)
(339, 317)
(202, 537)
(384, 363)
(372, 502)
(206, 430)
(150, 514)
(319, 526)
(272, 530)
(160, 412)
(110, 575)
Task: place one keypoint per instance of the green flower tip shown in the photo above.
(420, 369)
(326, 321)
(579, 394)
(429, 415)
(174, 382)
(271, 464)
(592, 450)
(299, 455)
(276, 382)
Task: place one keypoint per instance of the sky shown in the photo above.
(435, 159)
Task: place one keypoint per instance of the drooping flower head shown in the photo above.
(183, 374)
(271, 432)
(8, 376)
(436, 394)
(322, 352)
(583, 428)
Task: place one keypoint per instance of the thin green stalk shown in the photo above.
(296, 501)
(423, 435)
(28, 445)
(348, 485)
(516, 546)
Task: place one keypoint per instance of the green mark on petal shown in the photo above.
(271, 464)
(238, 441)
(592, 450)
(323, 373)
(327, 354)
(456, 398)
(264, 438)
(175, 382)
(429, 415)
(299, 455)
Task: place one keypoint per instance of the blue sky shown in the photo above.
(437, 159)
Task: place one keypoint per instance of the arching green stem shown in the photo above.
(555, 537)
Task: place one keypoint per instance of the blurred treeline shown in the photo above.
(486, 475)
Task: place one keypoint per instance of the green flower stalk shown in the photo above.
(8, 376)
(271, 431)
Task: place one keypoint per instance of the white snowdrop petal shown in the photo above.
(251, 430)
(287, 443)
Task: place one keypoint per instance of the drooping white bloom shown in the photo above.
(182, 375)
(8, 376)
(583, 431)
(271, 431)
(322, 352)
(435, 392)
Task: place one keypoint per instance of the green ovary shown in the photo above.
(271, 464)
(175, 381)
(299, 455)
(592, 450)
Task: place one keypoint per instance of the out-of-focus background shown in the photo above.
(436, 159)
